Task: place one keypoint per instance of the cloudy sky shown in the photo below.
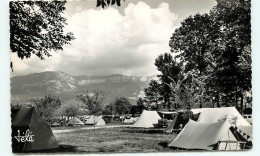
(116, 40)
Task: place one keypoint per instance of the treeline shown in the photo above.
(209, 64)
(89, 102)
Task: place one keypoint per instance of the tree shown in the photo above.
(37, 28)
(70, 111)
(92, 100)
(140, 105)
(138, 108)
(152, 93)
(46, 106)
(215, 51)
(121, 106)
(169, 69)
(109, 109)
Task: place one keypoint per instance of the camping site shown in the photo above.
(130, 76)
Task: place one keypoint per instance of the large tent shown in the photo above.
(97, 120)
(207, 136)
(30, 132)
(147, 119)
(75, 122)
(209, 115)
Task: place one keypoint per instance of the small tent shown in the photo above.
(208, 115)
(30, 132)
(55, 124)
(131, 120)
(75, 122)
(207, 136)
(97, 120)
(147, 119)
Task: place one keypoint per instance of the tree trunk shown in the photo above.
(218, 104)
(242, 102)
(236, 98)
(94, 123)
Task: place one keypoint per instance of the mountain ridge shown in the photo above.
(66, 86)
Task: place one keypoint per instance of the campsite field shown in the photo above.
(114, 140)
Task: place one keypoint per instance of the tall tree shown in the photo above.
(37, 28)
(169, 69)
(215, 50)
(152, 93)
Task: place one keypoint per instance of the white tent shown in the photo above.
(209, 115)
(131, 120)
(208, 136)
(147, 119)
(75, 122)
(97, 120)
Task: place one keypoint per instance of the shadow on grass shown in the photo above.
(164, 144)
(143, 130)
(60, 149)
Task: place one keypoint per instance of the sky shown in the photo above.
(115, 40)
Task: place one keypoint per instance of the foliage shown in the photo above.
(138, 108)
(212, 59)
(92, 100)
(104, 3)
(71, 111)
(119, 107)
(36, 27)
(122, 106)
(152, 93)
(46, 106)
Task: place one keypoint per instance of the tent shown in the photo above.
(207, 136)
(217, 114)
(181, 118)
(75, 122)
(147, 119)
(30, 132)
(55, 124)
(131, 120)
(97, 120)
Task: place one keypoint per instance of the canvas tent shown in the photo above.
(131, 120)
(181, 118)
(55, 124)
(30, 132)
(97, 120)
(209, 115)
(75, 122)
(147, 119)
(207, 136)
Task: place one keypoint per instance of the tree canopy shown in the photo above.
(46, 106)
(92, 100)
(211, 58)
(37, 28)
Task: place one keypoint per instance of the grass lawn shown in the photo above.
(114, 140)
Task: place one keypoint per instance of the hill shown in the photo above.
(66, 86)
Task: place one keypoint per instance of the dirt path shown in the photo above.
(70, 130)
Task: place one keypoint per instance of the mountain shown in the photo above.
(66, 86)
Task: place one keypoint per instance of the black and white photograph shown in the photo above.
(130, 76)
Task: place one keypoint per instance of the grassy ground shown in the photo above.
(114, 140)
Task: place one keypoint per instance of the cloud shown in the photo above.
(108, 42)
